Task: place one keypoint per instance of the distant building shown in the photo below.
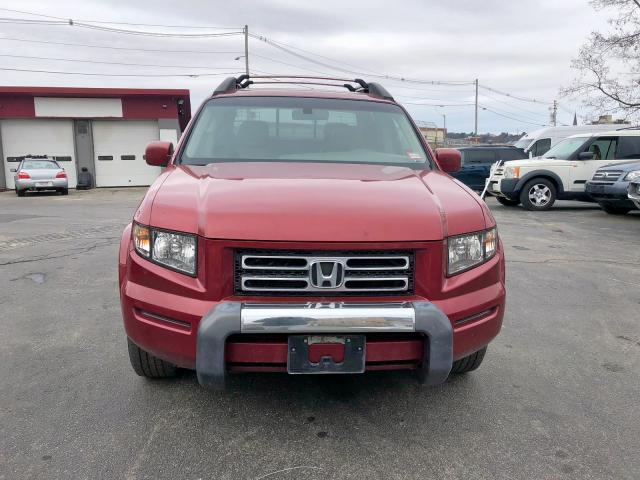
(608, 119)
(105, 130)
(435, 136)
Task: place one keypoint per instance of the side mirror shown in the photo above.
(586, 156)
(13, 170)
(158, 154)
(449, 159)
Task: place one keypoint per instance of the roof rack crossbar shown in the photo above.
(231, 84)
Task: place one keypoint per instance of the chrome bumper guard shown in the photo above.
(327, 317)
(230, 318)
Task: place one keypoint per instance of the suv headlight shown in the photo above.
(177, 251)
(512, 172)
(632, 175)
(471, 250)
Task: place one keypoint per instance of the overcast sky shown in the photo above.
(520, 47)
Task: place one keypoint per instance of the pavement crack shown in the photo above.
(78, 251)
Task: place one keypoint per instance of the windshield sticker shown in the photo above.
(414, 156)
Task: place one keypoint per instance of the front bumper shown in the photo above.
(614, 194)
(232, 318)
(504, 187)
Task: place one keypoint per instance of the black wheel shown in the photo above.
(507, 202)
(64, 191)
(470, 363)
(146, 365)
(20, 193)
(613, 210)
(538, 194)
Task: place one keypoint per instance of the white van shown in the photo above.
(538, 142)
(562, 172)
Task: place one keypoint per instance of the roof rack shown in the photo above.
(232, 84)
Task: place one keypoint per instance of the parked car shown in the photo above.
(38, 174)
(634, 190)
(539, 142)
(308, 232)
(610, 187)
(562, 172)
(477, 161)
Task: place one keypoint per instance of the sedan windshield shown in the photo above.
(39, 165)
(298, 129)
(565, 148)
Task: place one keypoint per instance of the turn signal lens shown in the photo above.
(142, 240)
(490, 243)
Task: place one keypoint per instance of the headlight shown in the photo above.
(632, 175)
(177, 251)
(468, 251)
(512, 172)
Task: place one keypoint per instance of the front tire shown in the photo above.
(470, 363)
(538, 194)
(507, 202)
(146, 365)
(613, 210)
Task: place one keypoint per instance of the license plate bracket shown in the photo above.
(353, 361)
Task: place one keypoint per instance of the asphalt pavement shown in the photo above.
(557, 397)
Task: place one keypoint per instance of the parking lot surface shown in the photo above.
(557, 396)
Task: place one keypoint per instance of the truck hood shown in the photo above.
(536, 162)
(312, 202)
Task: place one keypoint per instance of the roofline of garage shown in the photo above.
(94, 92)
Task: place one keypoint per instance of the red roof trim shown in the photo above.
(93, 92)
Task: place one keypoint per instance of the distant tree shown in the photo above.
(608, 64)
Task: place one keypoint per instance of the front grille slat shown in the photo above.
(290, 272)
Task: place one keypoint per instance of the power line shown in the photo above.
(113, 63)
(146, 75)
(495, 99)
(210, 27)
(281, 46)
(74, 23)
(516, 97)
(158, 50)
(510, 117)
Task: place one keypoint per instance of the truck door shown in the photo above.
(604, 152)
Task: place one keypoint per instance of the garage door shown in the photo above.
(38, 137)
(119, 147)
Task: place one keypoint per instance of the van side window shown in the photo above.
(628, 148)
(604, 148)
(541, 147)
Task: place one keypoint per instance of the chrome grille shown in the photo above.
(607, 177)
(323, 272)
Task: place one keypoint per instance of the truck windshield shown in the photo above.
(565, 148)
(298, 129)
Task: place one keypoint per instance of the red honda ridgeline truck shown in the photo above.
(308, 232)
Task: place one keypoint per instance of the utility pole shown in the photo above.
(475, 130)
(246, 49)
(444, 129)
(554, 113)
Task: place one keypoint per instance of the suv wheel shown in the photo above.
(613, 210)
(538, 194)
(146, 365)
(470, 363)
(507, 202)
